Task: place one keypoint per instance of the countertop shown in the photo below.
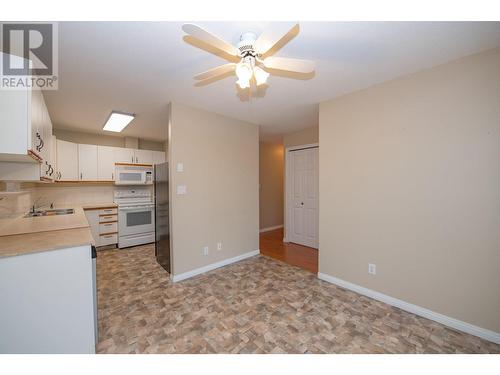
(23, 225)
(44, 241)
(98, 206)
(35, 234)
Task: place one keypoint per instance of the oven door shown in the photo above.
(130, 177)
(136, 220)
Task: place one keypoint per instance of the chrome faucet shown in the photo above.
(34, 208)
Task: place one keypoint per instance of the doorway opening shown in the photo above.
(289, 204)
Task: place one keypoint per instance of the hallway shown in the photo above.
(272, 245)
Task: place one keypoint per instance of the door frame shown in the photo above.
(288, 182)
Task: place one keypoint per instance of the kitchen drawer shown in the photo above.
(108, 228)
(108, 239)
(107, 218)
(108, 211)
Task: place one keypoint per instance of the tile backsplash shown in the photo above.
(14, 204)
(62, 195)
(67, 196)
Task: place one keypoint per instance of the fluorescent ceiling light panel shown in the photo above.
(117, 121)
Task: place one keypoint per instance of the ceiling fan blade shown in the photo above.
(217, 71)
(205, 36)
(272, 36)
(291, 65)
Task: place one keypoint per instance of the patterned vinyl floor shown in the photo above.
(259, 305)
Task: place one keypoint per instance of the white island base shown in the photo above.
(46, 302)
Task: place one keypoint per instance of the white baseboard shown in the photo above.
(213, 266)
(268, 229)
(417, 310)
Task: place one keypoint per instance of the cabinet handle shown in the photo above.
(81, 176)
(136, 159)
(108, 225)
(112, 176)
(132, 159)
(40, 146)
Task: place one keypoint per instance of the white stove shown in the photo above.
(136, 216)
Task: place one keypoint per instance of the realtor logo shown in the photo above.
(29, 56)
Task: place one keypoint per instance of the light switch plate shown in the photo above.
(181, 189)
(180, 167)
(372, 269)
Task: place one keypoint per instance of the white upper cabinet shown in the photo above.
(25, 136)
(67, 161)
(106, 163)
(143, 157)
(15, 120)
(124, 155)
(87, 162)
(25, 125)
(44, 133)
(158, 157)
(81, 162)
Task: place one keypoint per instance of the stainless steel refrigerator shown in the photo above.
(162, 229)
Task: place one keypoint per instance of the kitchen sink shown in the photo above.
(55, 212)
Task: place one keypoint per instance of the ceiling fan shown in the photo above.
(253, 54)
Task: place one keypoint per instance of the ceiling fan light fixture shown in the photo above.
(260, 75)
(254, 55)
(244, 71)
(244, 84)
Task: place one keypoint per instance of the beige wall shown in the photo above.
(104, 140)
(410, 181)
(302, 137)
(221, 172)
(271, 176)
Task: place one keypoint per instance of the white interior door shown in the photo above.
(303, 197)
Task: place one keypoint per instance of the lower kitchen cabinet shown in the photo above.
(48, 303)
(103, 225)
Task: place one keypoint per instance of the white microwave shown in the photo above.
(127, 174)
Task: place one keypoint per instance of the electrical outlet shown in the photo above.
(372, 269)
(205, 251)
(219, 246)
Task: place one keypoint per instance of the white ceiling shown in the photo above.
(139, 67)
